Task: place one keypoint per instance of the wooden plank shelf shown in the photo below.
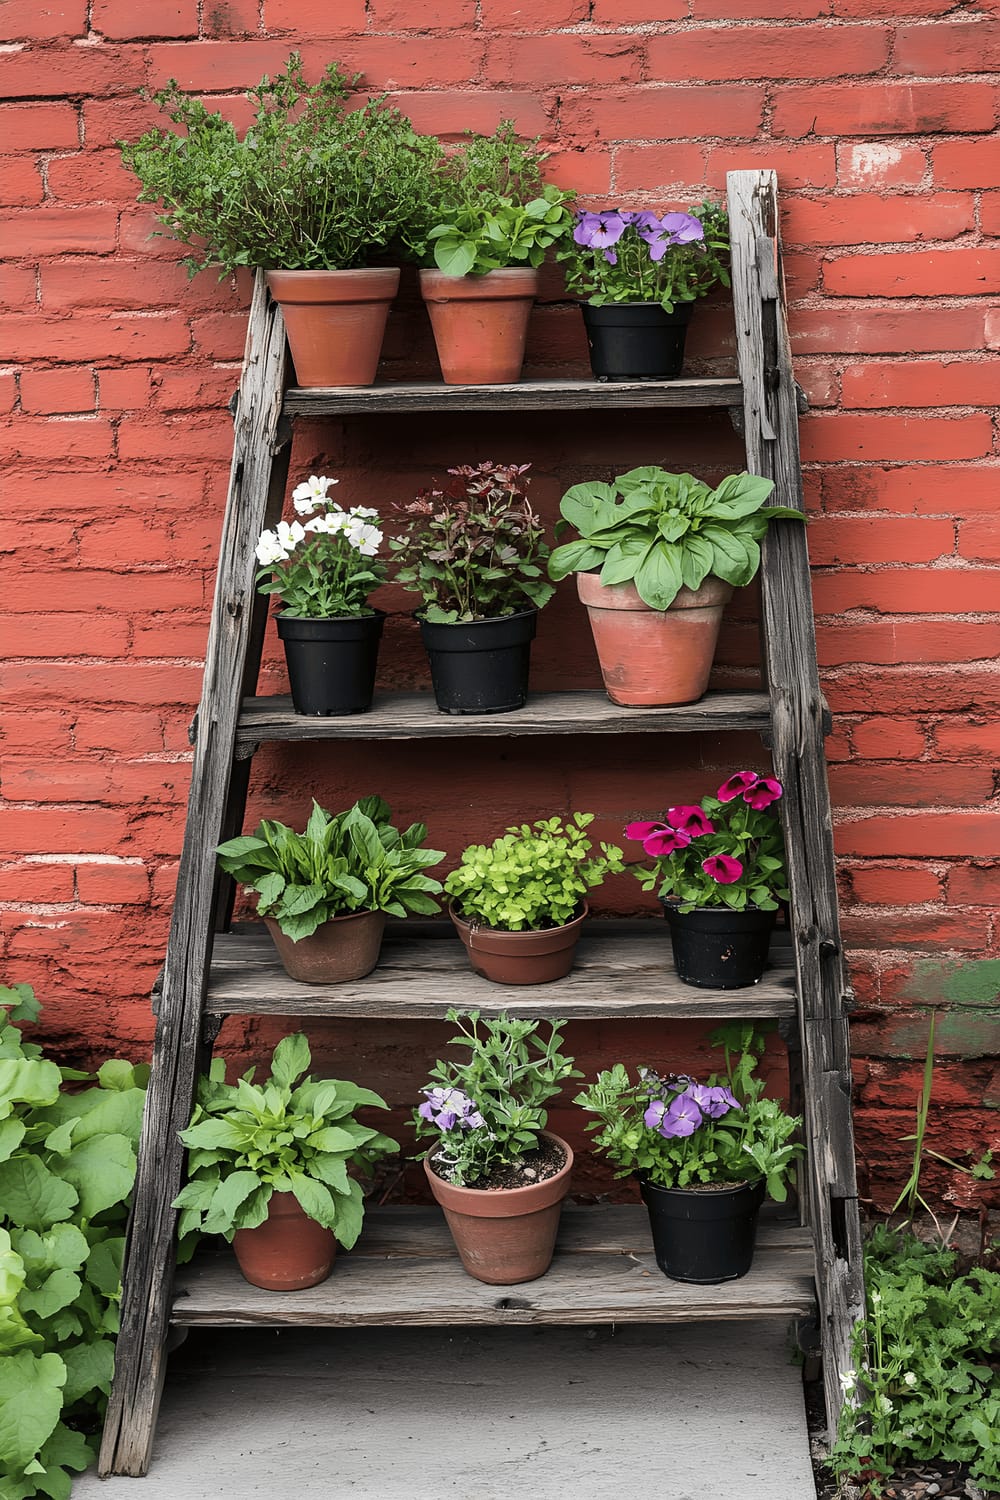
(405, 1271)
(526, 395)
(404, 716)
(621, 970)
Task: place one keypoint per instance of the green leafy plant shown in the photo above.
(487, 1109)
(679, 1133)
(67, 1165)
(474, 550)
(664, 532)
(634, 255)
(532, 877)
(323, 568)
(351, 861)
(291, 1134)
(311, 186)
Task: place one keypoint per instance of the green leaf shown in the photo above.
(27, 1081)
(89, 1368)
(315, 1200)
(31, 1399)
(291, 1059)
(223, 1211)
(455, 257)
(11, 1136)
(104, 1266)
(32, 1196)
(22, 1002)
(102, 1170)
(59, 1289)
(659, 579)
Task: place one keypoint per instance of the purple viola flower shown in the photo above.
(647, 225)
(722, 868)
(738, 785)
(713, 1102)
(653, 1117)
(689, 820)
(682, 229)
(596, 231)
(447, 1108)
(681, 1118)
(767, 790)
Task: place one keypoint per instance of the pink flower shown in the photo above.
(723, 868)
(641, 830)
(766, 791)
(666, 841)
(739, 783)
(689, 820)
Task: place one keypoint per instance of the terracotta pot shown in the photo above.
(288, 1251)
(520, 957)
(335, 321)
(651, 658)
(507, 1235)
(343, 948)
(480, 323)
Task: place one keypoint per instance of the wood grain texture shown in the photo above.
(527, 395)
(619, 972)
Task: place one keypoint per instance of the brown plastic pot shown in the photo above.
(343, 948)
(520, 957)
(506, 1235)
(480, 323)
(335, 321)
(289, 1250)
(651, 658)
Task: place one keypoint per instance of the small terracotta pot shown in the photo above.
(335, 321)
(343, 948)
(288, 1251)
(652, 658)
(480, 323)
(520, 957)
(507, 1235)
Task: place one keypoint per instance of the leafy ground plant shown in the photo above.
(67, 1165)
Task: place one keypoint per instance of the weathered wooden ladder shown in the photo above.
(210, 972)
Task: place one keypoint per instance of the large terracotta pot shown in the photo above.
(343, 948)
(335, 321)
(288, 1251)
(652, 658)
(480, 323)
(520, 957)
(507, 1235)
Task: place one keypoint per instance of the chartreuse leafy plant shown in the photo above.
(351, 861)
(679, 1133)
(532, 877)
(487, 1108)
(67, 1165)
(291, 1134)
(664, 532)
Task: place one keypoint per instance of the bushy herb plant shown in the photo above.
(311, 186)
(727, 851)
(534, 876)
(678, 1133)
(634, 255)
(291, 1134)
(487, 1108)
(67, 1166)
(474, 550)
(350, 861)
(664, 532)
(324, 567)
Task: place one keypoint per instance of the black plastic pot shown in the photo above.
(637, 340)
(719, 949)
(703, 1235)
(331, 663)
(481, 667)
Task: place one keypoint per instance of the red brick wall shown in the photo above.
(114, 370)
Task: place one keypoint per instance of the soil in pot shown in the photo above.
(520, 957)
(344, 948)
(505, 1235)
(719, 949)
(704, 1235)
(636, 341)
(335, 321)
(654, 658)
(331, 663)
(480, 323)
(481, 667)
(286, 1252)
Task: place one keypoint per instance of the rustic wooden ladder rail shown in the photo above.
(403, 1271)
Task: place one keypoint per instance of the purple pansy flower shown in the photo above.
(689, 820)
(682, 1117)
(713, 1102)
(723, 868)
(653, 1117)
(738, 784)
(766, 791)
(596, 231)
(447, 1108)
(683, 229)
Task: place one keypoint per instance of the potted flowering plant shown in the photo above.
(705, 1154)
(657, 556)
(314, 192)
(475, 551)
(719, 870)
(495, 221)
(640, 274)
(268, 1168)
(499, 1175)
(323, 569)
(324, 894)
(519, 903)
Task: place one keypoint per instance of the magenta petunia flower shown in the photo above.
(723, 868)
(766, 791)
(666, 841)
(641, 830)
(690, 820)
(739, 783)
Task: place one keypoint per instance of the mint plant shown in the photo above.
(532, 877)
(634, 255)
(487, 1109)
(351, 861)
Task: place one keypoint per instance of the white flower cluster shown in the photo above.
(355, 524)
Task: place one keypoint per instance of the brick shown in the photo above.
(867, 218)
(798, 166)
(184, 438)
(80, 931)
(57, 231)
(934, 834)
(72, 339)
(966, 739)
(923, 785)
(315, 18)
(846, 435)
(887, 885)
(132, 489)
(119, 730)
(540, 61)
(121, 20)
(989, 213)
(122, 682)
(90, 177)
(929, 688)
(761, 10)
(450, 113)
(17, 286)
(130, 389)
(934, 929)
(36, 882)
(173, 389)
(220, 336)
(66, 390)
(966, 164)
(945, 489)
(174, 638)
(971, 46)
(636, 12)
(916, 273)
(33, 830)
(69, 71)
(224, 18)
(104, 541)
(140, 234)
(885, 109)
(43, 20)
(48, 634)
(879, 164)
(86, 437)
(20, 181)
(36, 127)
(909, 590)
(43, 731)
(974, 885)
(8, 391)
(112, 885)
(891, 641)
(81, 589)
(903, 330)
(42, 781)
(873, 541)
(215, 66)
(979, 541)
(769, 52)
(431, 15)
(652, 169)
(931, 382)
(655, 113)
